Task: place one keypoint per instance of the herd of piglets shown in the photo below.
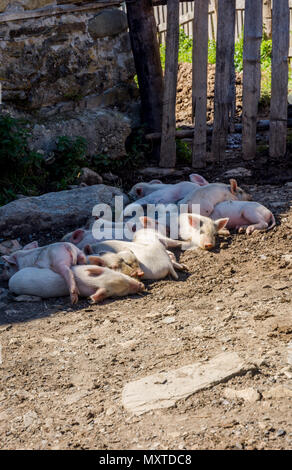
(81, 265)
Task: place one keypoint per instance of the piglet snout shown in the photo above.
(208, 246)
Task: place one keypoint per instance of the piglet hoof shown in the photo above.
(241, 230)
(74, 298)
(249, 230)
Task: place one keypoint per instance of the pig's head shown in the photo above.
(204, 231)
(11, 262)
(124, 261)
(237, 192)
(114, 283)
(74, 237)
(138, 190)
(198, 179)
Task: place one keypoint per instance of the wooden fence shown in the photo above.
(186, 17)
(158, 94)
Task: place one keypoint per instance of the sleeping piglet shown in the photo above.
(249, 215)
(199, 231)
(95, 282)
(208, 196)
(58, 257)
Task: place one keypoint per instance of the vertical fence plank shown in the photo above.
(224, 76)
(168, 144)
(143, 36)
(280, 49)
(267, 14)
(251, 75)
(200, 71)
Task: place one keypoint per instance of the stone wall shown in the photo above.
(68, 62)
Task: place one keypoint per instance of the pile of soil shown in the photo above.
(184, 95)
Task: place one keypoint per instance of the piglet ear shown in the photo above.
(147, 222)
(198, 179)
(31, 245)
(88, 249)
(77, 236)
(221, 223)
(155, 182)
(10, 259)
(233, 186)
(139, 191)
(96, 260)
(194, 221)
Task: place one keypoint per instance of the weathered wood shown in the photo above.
(278, 110)
(251, 75)
(145, 47)
(224, 76)
(200, 72)
(52, 10)
(267, 18)
(168, 145)
(263, 125)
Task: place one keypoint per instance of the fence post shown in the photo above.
(267, 14)
(280, 49)
(145, 47)
(200, 73)
(168, 144)
(224, 76)
(251, 75)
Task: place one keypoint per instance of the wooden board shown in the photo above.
(168, 145)
(278, 112)
(224, 88)
(251, 75)
(200, 73)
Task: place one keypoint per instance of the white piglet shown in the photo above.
(208, 196)
(95, 282)
(58, 257)
(198, 231)
(245, 215)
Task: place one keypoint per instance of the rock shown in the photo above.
(247, 394)
(237, 172)
(29, 418)
(3, 293)
(55, 211)
(9, 246)
(162, 390)
(75, 397)
(287, 258)
(90, 177)
(276, 205)
(108, 22)
(110, 177)
(169, 320)
(27, 298)
(104, 130)
(280, 432)
(289, 184)
(279, 391)
(159, 172)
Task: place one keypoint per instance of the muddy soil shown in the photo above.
(63, 369)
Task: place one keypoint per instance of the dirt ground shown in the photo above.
(63, 369)
(184, 96)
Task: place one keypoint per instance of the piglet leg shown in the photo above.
(99, 295)
(68, 275)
